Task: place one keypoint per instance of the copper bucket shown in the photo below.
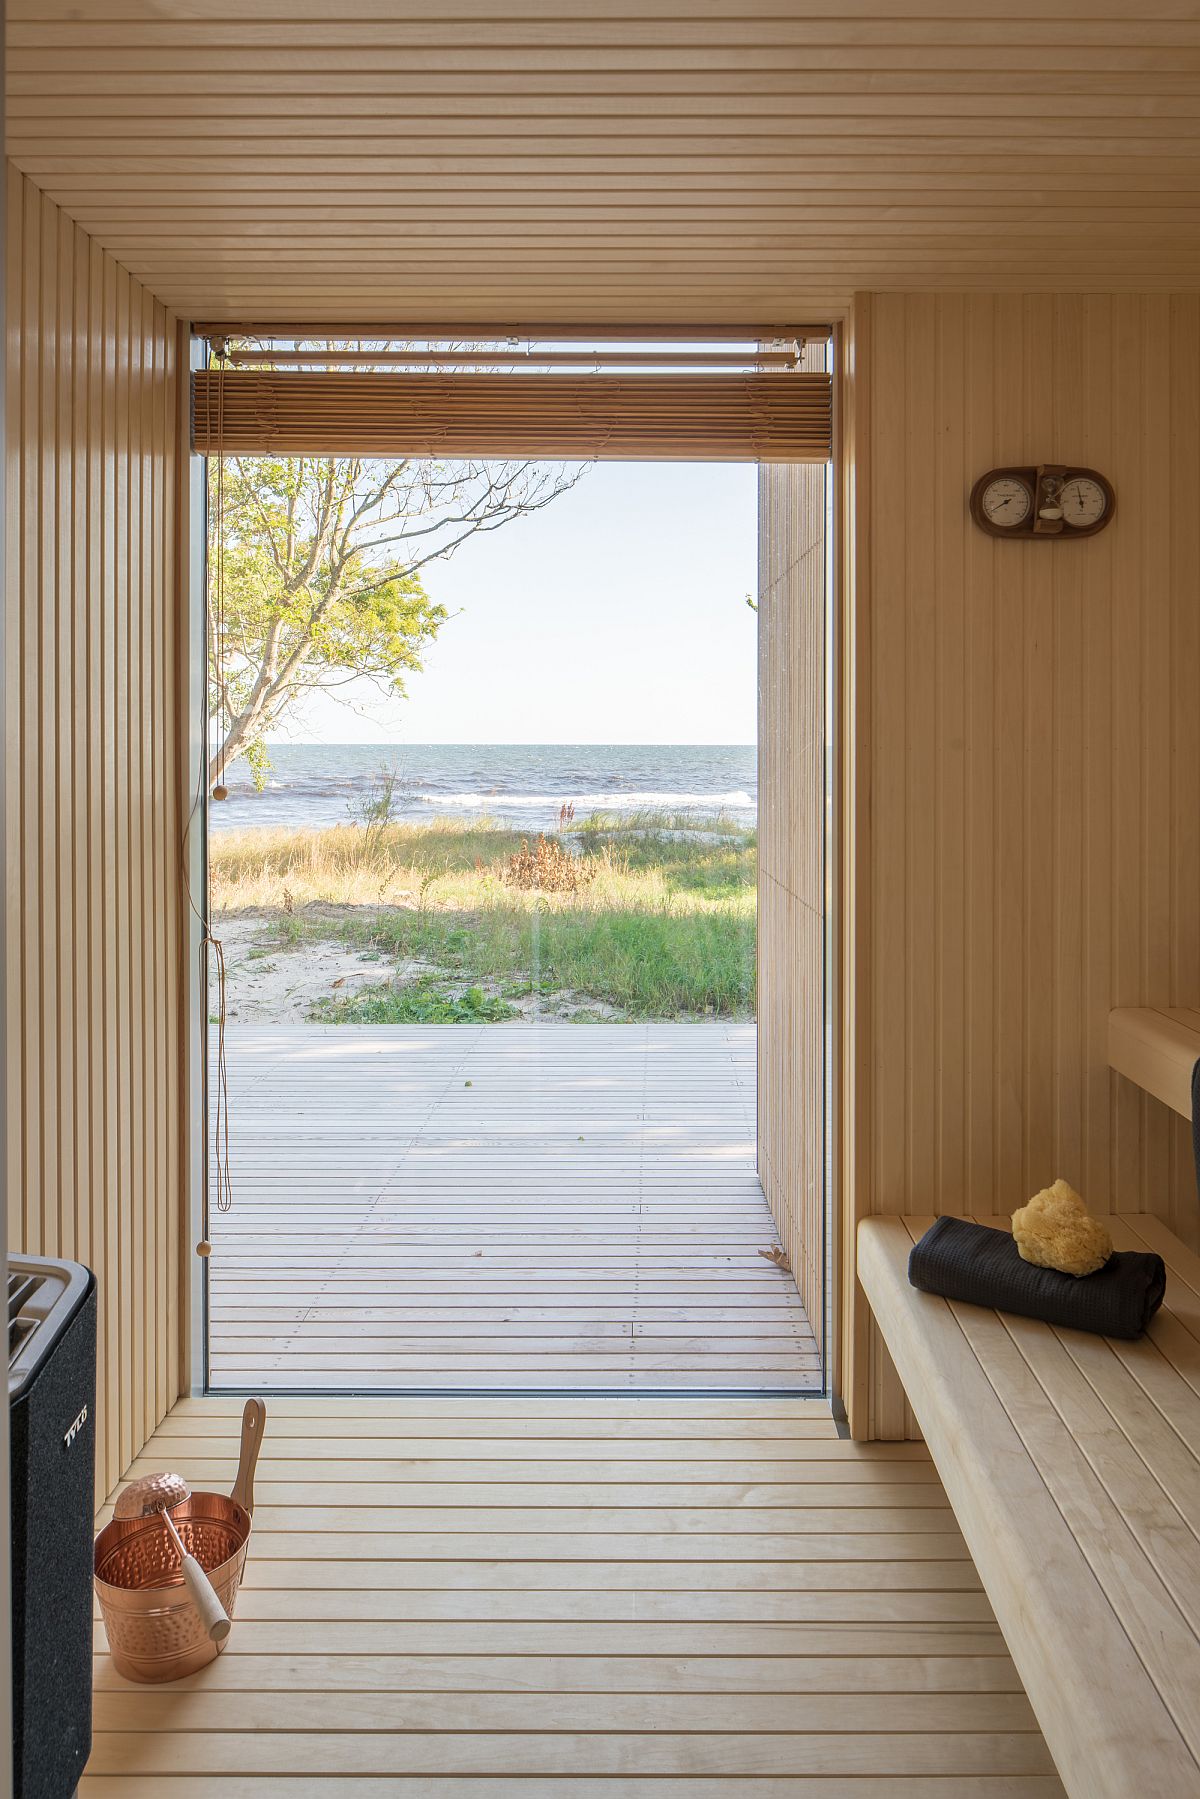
(154, 1631)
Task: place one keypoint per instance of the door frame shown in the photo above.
(837, 784)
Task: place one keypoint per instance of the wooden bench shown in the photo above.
(1071, 1462)
(1157, 1047)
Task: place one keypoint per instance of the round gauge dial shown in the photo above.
(1084, 501)
(1006, 502)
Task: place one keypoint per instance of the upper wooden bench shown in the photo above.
(1071, 1462)
(1158, 1047)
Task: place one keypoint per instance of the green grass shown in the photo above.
(665, 928)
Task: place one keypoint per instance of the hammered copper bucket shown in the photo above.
(154, 1631)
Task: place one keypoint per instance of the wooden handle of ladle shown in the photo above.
(203, 1594)
(254, 1418)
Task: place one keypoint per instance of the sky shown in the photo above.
(616, 615)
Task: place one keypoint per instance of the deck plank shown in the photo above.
(505, 1207)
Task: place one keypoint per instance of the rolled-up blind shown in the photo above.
(629, 418)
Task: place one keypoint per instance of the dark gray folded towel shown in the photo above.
(961, 1260)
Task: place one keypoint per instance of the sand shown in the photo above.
(269, 985)
(265, 985)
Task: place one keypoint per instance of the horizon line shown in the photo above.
(526, 743)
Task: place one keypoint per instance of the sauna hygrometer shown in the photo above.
(1046, 499)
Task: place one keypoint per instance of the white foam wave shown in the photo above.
(598, 802)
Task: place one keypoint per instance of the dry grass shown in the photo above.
(550, 868)
(349, 866)
(661, 925)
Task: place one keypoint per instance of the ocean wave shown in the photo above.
(600, 802)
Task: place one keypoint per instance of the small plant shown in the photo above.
(375, 808)
(549, 868)
(422, 1002)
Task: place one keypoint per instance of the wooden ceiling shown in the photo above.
(680, 162)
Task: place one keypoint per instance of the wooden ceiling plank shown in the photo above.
(684, 157)
(795, 174)
(186, 112)
(476, 14)
(42, 88)
(1084, 60)
(330, 27)
(577, 134)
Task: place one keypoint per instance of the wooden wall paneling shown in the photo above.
(947, 631)
(14, 665)
(981, 799)
(117, 799)
(145, 847)
(94, 1053)
(1095, 424)
(1029, 839)
(31, 1184)
(792, 534)
(1041, 682)
(76, 851)
(136, 648)
(146, 833)
(1156, 761)
(1184, 577)
(58, 797)
(885, 1122)
(171, 1012)
(166, 789)
(850, 1338)
(106, 845)
(1128, 845)
(1066, 622)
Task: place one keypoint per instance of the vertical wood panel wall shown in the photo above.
(1029, 829)
(95, 999)
(790, 867)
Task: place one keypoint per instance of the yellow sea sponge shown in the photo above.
(1054, 1231)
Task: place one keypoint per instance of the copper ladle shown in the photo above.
(154, 1495)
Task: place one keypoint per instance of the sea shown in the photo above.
(524, 785)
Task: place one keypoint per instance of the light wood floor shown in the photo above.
(579, 1599)
(528, 1207)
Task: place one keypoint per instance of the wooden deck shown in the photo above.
(579, 1599)
(523, 1207)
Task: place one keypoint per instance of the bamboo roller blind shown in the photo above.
(669, 418)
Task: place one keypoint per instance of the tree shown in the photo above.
(316, 574)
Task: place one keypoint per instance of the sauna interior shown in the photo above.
(970, 1566)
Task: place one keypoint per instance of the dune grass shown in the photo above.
(663, 927)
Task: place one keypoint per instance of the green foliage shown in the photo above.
(422, 1002)
(255, 752)
(302, 594)
(316, 574)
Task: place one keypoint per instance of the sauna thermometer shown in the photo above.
(1047, 499)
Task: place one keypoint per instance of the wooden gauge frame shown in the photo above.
(1036, 476)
